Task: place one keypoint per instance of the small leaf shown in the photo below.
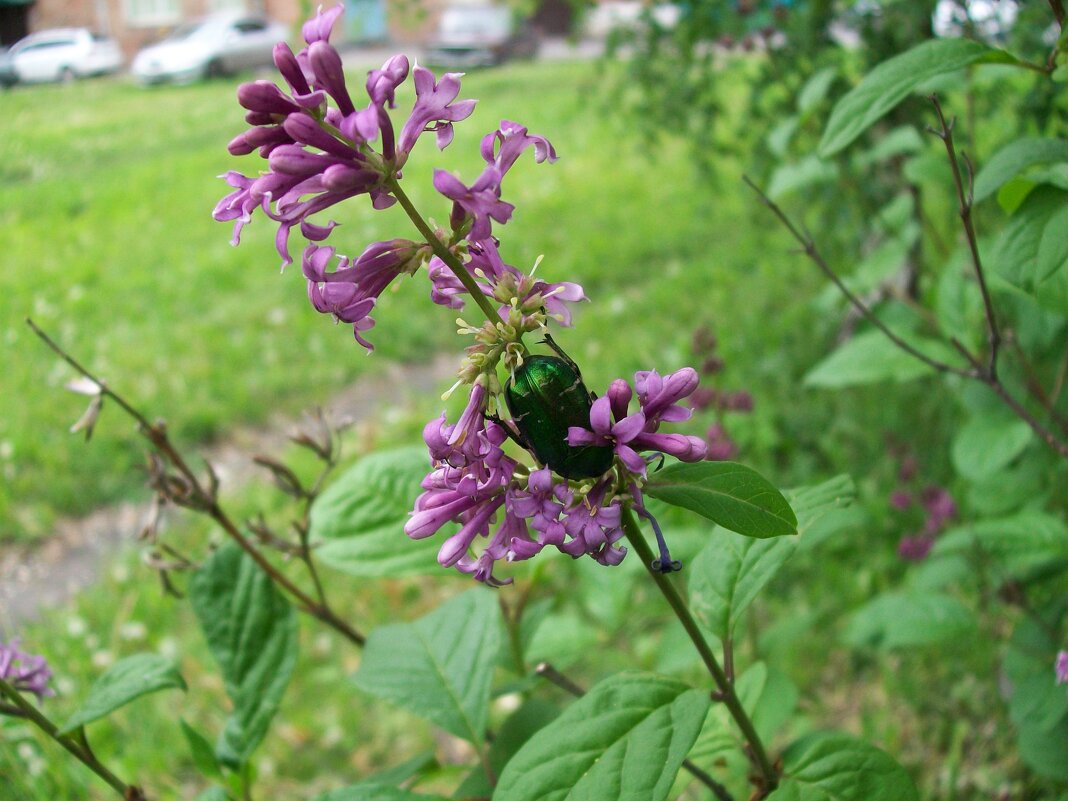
(358, 522)
(800, 175)
(440, 666)
(893, 80)
(1013, 159)
(815, 90)
(1016, 547)
(202, 752)
(904, 620)
(251, 630)
(732, 495)
(624, 740)
(124, 681)
(1032, 247)
(825, 766)
(729, 572)
(871, 357)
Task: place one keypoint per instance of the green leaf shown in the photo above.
(729, 572)
(372, 791)
(779, 138)
(893, 80)
(732, 495)
(1033, 247)
(989, 442)
(124, 681)
(815, 90)
(799, 175)
(202, 752)
(440, 666)
(1017, 547)
(1013, 159)
(904, 620)
(812, 503)
(836, 767)
(871, 357)
(624, 740)
(901, 141)
(251, 631)
(213, 794)
(358, 522)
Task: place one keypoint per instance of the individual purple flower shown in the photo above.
(940, 508)
(915, 548)
(1060, 667)
(350, 292)
(436, 109)
(720, 447)
(611, 423)
(481, 201)
(503, 147)
(319, 27)
(900, 499)
(25, 672)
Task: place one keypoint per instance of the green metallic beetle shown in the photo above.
(545, 397)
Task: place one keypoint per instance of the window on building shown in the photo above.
(147, 13)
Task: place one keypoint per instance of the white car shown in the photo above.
(219, 44)
(63, 54)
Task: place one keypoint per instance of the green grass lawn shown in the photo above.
(108, 243)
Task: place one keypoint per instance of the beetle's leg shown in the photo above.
(509, 429)
(548, 340)
(665, 564)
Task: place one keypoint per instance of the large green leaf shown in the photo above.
(124, 681)
(440, 666)
(989, 442)
(624, 740)
(870, 357)
(812, 503)
(358, 522)
(835, 767)
(1013, 159)
(893, 80)
(907, 619)
(729, 572)
(815, 90)
(251, 630)
(732, 495)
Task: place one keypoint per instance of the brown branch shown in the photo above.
(547, 671)
(205, 500)
(1058, 11)
(965, 202)
(809, 248)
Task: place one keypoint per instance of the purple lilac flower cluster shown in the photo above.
(474, 482)
(27, 673)
(721, 447)
(323, 148)
(934, 502)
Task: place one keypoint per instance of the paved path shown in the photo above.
(36, 578)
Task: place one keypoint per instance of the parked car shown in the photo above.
(7, 69)
(216, 45)
(479, 36)
(61, 54)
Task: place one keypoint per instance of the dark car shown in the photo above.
(480, 36)
(7, 70)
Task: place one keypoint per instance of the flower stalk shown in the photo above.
(725, 688)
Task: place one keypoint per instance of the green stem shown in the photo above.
(443, 252)
(726, 689)
(82, 754)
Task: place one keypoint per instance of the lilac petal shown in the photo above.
(330, 75)
(629, 427)
(318, 28)
(601, 416)
(631, 459)
(580, 436)
(425, 523)
(265, 97)
(619, 395)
